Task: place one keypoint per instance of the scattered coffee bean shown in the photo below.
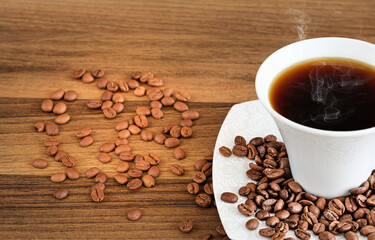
(134, 215)
(86, 141)
(87, 78)
(51, 150)
(122, 148)
(267, 232)
(101, 177)
(112, 86)
(40, 163)
(59, 155)
(122, 167)
(186, 123)
(107, 104)
(58, 94)
(52, 129)
(229, 197)
(61, 193)
(94, 104)
(135, 173)
(203, 200)
(47, 105)
(186, 132)
(139, 91)
(134, 184)
(192, 188)
(58, 177)
(51, 142)
(148, 181)
(207, 236)
(107, 147)
(92, 172)
(154, 171)
(171, 142)
(97, 195)
(186, 226)
(102, 83)
(239, 150)
(124, 87)
(179, 153)
(121, 179)
(121, 126)
(199, 177)
(177, 169)
(190, 114)
(62, 119)
(160, 138)
(226, 152)
(104, 157)
(326, 236)
(98, 73)
(60, 108)
(106, 96)
(252, 224)
(182, 96)
(124, 134)
(180, 106)
(39, 126)
(79, 73)
(70, 96)
(109, 113)
(68, 161)
(72, 173)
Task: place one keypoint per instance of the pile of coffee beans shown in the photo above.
(274, 197)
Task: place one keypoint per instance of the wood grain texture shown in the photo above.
(211, 49)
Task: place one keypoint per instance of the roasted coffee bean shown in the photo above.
(59, 155)
(318, 228)
(186, 123)
(60, 108)
(109, 113)
(145, 77)
(177, 169)
(98, 73)
(92, 172)
(139, 91)
(302, 234)
(136, 75)
(239, 150)
(282, 214)
(360, 190)
(47, 105)
(70, 96)
(167, 92)
(122, 148)
(124, 87)
(118, 107)
(124, 134)
(68, 161)
(62, 119)
(104, 157)
(267, 232)
(336, 206)
(154, 171)
(252, 224)
(121, 126)
(361, 222)
(84, 132)
(226, 152)
(107, 104)
(102, 83)
(179, 153)
(51, 141)
(186, 226)
(244, 191)
(40, 163)
(320, 203)
(198, 165)
(175, 131)
(52, 129)
(371, 217)
(142, 165)
(155, 104)
(61, 193)
(87, 78)
(220, 230)
(207, 169)
(58, 94)
(254, 175)
(135, 172)
(39, 126)
(203, 200)
(192, 188)
(134, 84)
(367, 230)
(191, 114)
(199, 177)
(112, 86)
(229, 197)
(101, 177)
(371, 236)
(257, 141)
(146, 135)
(106, 96)
(72, 173)
(180, 106)
(148, 181)
(122, 167)
(107, 147)
(134, 184)
(278, 236)
(294, 207)
(270, 138)
(371, 201)
(94, 104)
(118, 98)
(97, 195)
(273, 173)
(157, 113)
(295, 187)
(134, 129)
(186, 132)
(326, 236)
(208, 188)
(330, 215)
(182, 96)
(51, 150)
(361, 200)
(351, 236)
(282, 227)
(58, 177)
(167, 101)
(127, 156)
(262, 214)
(252, 152)
(246, 210)
(79, 73)
(160, 138)
(86, 141)
(172, 142)
(315, 210)
(310, 218)
(154, 94)
(152, 159)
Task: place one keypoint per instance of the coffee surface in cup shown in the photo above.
(329, 93)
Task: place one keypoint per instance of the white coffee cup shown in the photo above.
(324, 163)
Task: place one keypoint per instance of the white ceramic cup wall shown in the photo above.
(324, 163)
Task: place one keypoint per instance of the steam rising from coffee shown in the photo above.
(301, 20)
(336, 91)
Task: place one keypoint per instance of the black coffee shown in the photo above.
(329, 94)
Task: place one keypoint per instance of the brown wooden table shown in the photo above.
(210, 49)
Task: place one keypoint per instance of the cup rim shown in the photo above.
(286, 121)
